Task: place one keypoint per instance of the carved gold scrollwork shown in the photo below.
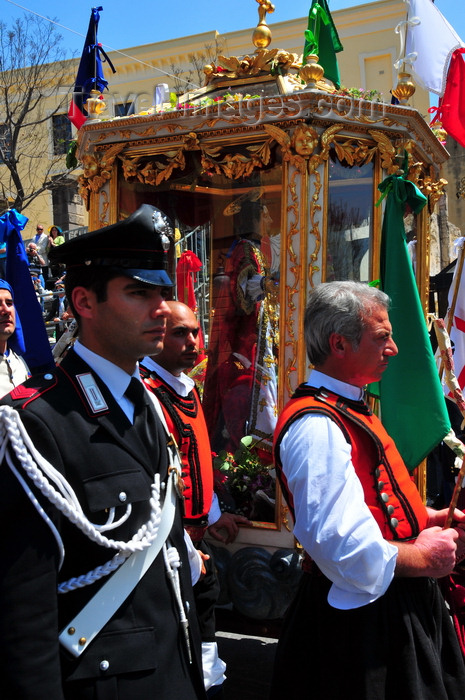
(103, 221)
(386, 151)
(97, 171)
(232, 165)
(292, 289)
(285, 518)
(130, 167)
(264, 61)
(426, 183)
(433, 189)
(235, 165)
(354, 152)
(154, 172)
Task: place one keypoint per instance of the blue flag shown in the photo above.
(37, 352)
(90, 73)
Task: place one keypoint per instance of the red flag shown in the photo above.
(451, 110)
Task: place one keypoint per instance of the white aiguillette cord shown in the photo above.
(79, 633)
(83, 629)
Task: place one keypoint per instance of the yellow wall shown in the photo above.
(367, 33)
(370, 49)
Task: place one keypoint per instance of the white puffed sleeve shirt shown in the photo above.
(332, 521)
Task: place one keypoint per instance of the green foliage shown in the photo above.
(361, 93)
(71, 160)
(243, 474)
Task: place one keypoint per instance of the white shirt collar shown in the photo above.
(182, 383)
(349, 391)
(115, 378)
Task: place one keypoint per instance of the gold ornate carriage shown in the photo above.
(265, 128)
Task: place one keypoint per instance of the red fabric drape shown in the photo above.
(451, 110)
(188, 266)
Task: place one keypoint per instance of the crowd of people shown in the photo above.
(48, 279)
(38, 250)
(107, 583)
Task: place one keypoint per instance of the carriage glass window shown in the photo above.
(349, 226)
(226, 264)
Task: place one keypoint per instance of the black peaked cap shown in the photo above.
(136, 246)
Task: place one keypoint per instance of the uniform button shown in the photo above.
(48, 377)
(390, 510)
(187, 606)
(380, 485)
(385, 497)
(377, 473)
(123, 497)
(104, 665)
(394, 522)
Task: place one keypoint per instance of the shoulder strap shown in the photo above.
(304, 410)
(83, 629)
(332, 410)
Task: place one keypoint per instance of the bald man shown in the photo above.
(183, 412)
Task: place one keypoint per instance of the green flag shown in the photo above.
(321, 38)
(413, 407)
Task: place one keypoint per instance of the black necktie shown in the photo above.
(144, 419)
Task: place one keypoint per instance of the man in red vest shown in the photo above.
(368, 620)
(184, 416)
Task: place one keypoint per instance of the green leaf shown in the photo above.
(71, 160)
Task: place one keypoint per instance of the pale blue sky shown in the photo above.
(124, 24)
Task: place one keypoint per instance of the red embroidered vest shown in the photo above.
(389, 491)
(185, 420)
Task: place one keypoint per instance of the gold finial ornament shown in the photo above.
(439, 131)
(311, 72)
(405, 88)
(262, 35)
(95, 104)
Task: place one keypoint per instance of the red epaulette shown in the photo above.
(33, 388)
(23, 392)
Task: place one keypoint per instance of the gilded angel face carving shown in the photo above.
(304, 140)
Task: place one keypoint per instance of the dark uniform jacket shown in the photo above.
(141, 652)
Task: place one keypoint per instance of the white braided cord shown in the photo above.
(59, 492)
(96, 574)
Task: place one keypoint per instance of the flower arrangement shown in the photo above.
(360, 93)
(228, 97)
(209, 101)
(244, 484)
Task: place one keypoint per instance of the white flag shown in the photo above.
(430, 43)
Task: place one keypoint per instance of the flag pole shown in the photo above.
(451, 310)
(455, 495)
(458, 277)
(451, 439)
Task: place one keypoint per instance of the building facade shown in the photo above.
(371, 46)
